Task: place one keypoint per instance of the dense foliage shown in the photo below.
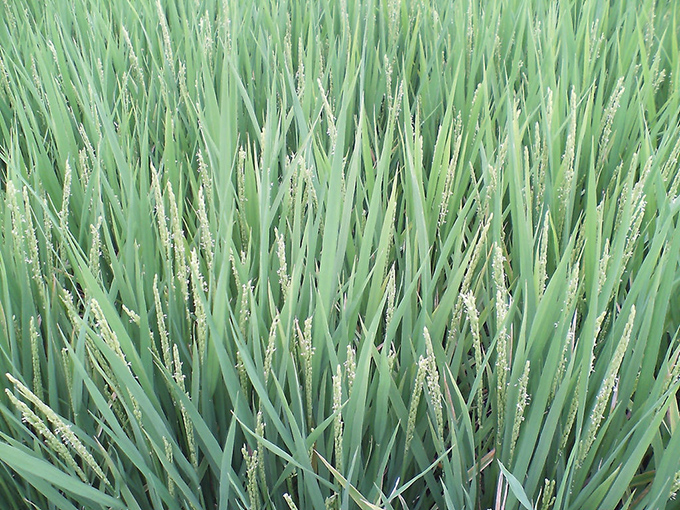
(375, 254)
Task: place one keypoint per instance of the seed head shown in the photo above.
(606, 388)
(415, 400)
(522, 401)
(338, 423)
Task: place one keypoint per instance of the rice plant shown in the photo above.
(357, 254)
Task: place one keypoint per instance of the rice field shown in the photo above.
(375, 254)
